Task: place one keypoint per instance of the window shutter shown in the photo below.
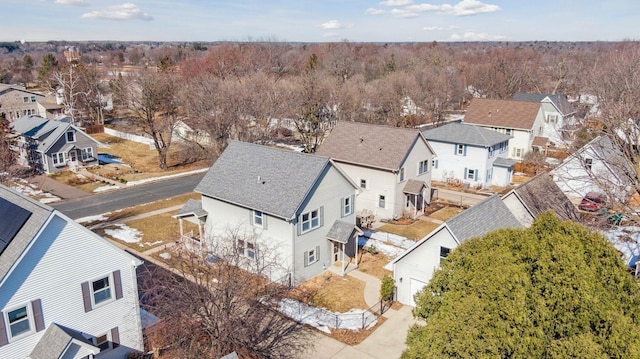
(353, 203)
(455, 149)
(299, 226)
(4, 340)
(436, 164)
(117, 281)
(464, 150)
(342, 213)
(86, 297)
(317, 253)
(464, 175)
(36, 307)
(321, 216)
(251, 216)
(476, 174)
(115, 337)
(306, 259)
(264, 221)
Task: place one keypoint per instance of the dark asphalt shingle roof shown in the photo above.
(504, 162)
(413, 186)
(465, 134)
(192, 207)
(341, 231)
(47, 132)
(489, 215)
(274, 181)
(541, 194)
(369, 145)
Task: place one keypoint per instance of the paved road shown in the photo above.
(124, 198)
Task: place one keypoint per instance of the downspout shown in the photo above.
(293, 253)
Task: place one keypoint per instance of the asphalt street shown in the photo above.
(128, 197)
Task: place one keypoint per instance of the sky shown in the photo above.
(320, 20)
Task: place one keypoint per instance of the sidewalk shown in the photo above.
(47, 184)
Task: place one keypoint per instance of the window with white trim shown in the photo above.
(517, 152)
(258, 218)
(310, 220)
(423, 167)
(246, 248)
(382, 201)
(552, 118)
(444, 253)
(71, 136)
(402, 174)
(588, 163)
(434, 163)
(363, 183)
(101, 290)
(460, 150)
(25, 99)
(507, 131)
(102, 342)
(87, 153)
(19, 321)
(33, 99)
(58, 158)
(347, 206)
(470, 175)
(312, 256)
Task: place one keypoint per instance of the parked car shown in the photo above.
(593, 202)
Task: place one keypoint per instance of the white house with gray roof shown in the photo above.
(65, 292)
(298, 206)
(470, 154)
(391, 165)
(559, 122)
(413, 269)
(52, 146)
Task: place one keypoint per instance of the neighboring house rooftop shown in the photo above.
(369, 145)
(489, 215)
(56, 341)
(611, 156)
(44, 130)
(502, 113)
(465, 134)
(192, 208)
(12, 202)
(271, 180)
(541, 194)
(559, 101)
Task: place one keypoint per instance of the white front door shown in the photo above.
(414, 287)
(336, 252)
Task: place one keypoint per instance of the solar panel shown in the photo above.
(12, 218)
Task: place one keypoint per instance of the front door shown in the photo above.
(73, 156)
(336, 252)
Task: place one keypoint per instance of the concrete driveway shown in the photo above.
(387, 341)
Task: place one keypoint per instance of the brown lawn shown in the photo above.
(446, 213)
(335, 293)
(372, 264)
(415, 231)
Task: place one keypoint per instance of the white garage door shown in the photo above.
(414, 287)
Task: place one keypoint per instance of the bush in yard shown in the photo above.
(387, 287)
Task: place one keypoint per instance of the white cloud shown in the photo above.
(403, 13)
(440, 28)
(372, 11)
(396, 2)
(72, 2)
(126, 11)
(477, 36)
(332, 24)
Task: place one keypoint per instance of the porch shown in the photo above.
(416, 198)
(344, 245)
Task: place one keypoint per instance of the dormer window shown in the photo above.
(71, 136)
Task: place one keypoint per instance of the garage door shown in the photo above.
(415, 286)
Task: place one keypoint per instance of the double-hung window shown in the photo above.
(588, 163)
(470, 175)
(87, 153)
(19, 322)
(461, 150)
(25, 99)
(363, 183)
(310, 220)
(312, 256)
(58, 158)
(382, 201)
(246, 248)
(347, 206)
(101, 290)
(444, 253)
(402, 174)
(71, 136)
(423, 167)
(258, 218)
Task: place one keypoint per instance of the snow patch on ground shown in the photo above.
(626, 239)
(105, 188)
(165, 255)
(146, 180)
(98, 218)
(389, 244)
(124, 233)
(324, 319)
(26, 188)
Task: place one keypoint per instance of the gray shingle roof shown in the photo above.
(55, 340)
(369, 145)
(465, 134)
(341, 231)
(504, 162)
(39, 215)
(489, 215)
(192, 208)
(541, 194)
(558, 100)
(414, 186)
(41, 129)
(274, 181)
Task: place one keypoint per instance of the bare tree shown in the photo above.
(7, 155)
(154, 104)
(66, 82)
(210, 306)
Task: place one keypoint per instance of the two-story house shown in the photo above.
(65, 292)
(52, 146)
(470, 154)
(297, 206)
(521, 120)
(391, 165)
(558, 114)
(16, 102)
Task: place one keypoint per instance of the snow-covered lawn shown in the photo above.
(124, 233)
(23, 186)
(146, 180)
(626, 239)
(325, 320)
(389, 244)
